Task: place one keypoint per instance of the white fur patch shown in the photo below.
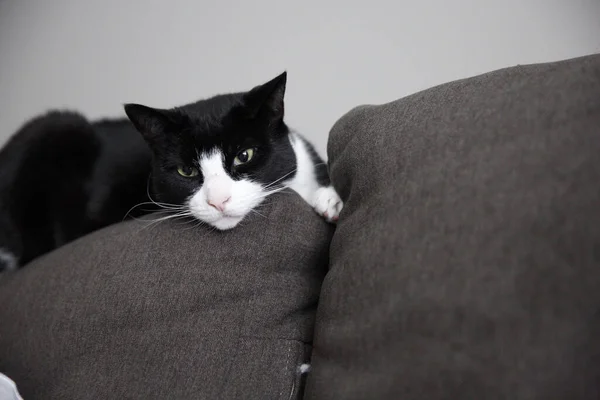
(324, 200)
(221, 201)
(304, 181)
(304, 368)
(8, 259)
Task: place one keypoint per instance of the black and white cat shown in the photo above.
(217, 160)
(221, 157)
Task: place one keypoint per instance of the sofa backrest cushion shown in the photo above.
(466, 262)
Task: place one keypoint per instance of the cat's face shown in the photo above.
(219, 157)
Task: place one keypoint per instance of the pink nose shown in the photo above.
(219, 204)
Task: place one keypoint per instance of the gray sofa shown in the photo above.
(465, 265)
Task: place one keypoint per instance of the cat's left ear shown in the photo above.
(266, 101)
(152, 123)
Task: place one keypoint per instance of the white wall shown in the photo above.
(94, 55)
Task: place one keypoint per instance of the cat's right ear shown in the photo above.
(152, 123)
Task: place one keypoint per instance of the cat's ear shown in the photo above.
(152, 123)
(266, 101)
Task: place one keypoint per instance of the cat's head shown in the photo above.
(219, 157)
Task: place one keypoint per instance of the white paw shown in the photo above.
(327, 203)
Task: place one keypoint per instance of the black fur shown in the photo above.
(62, 177)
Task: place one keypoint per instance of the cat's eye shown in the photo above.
(243, 157)
(188, 172)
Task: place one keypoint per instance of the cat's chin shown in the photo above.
(226, 223)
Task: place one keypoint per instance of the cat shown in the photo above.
(62, 177)
(215, 160)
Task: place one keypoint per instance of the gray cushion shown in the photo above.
(169, 311)
(466, 263)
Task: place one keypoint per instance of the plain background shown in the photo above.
(94, 55)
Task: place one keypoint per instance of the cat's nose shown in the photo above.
(219, 204)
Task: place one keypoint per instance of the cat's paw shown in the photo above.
(328, 203)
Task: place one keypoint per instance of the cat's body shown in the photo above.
(215, 160)
(62, 177)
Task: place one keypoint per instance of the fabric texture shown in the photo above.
(466, 262)
(169, 311)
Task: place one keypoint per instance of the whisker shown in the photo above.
(162, 205)
(154, 201)
(154, 221)
(258, 213)
(171, 216)
(277, 180)
(197, 225)
(262, 195)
